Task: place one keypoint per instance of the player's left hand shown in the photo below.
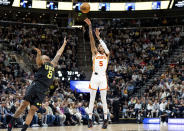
(88, 21)
(65, 40)
(38, 51)
(97, 32)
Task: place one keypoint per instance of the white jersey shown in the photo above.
(100, 63)
(99, 78)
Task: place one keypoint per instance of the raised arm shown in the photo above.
(38, 57)
(59, 53)
(97, 32)
(92, 41)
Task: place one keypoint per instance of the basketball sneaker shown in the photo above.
(105, 123)
(90, 123)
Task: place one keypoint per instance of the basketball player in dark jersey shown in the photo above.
(37, 91)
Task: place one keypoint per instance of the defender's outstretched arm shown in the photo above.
(59, 53)
(38, 57)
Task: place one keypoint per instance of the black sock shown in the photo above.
(12, 122)
(24, 127)
(39, 121)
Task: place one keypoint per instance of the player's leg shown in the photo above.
(29, 117)
(30, 93)
(93, 89)
(103, 93)
(91, 103)
(22, 107)
(91, 106)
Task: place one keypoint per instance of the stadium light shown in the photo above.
(76, 26)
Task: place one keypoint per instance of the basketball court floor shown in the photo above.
(111, 127)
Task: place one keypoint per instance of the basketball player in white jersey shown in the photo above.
(100, 57)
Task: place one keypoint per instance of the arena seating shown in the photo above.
(136, 55)
(21, 40)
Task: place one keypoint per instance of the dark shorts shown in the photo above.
(34, 95)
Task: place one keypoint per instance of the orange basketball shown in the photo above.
(85, 8)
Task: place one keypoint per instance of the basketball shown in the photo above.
(85, 8)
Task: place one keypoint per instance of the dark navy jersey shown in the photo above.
(45, 75)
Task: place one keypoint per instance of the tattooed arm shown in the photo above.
(59, 53)
(38, 57)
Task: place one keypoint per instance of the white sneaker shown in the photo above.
(95, 123)
(45, 125)
(35, 125)
(165, 124)
(161, 123)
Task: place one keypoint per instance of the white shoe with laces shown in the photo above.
(165, 124)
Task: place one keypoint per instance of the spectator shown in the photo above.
(84, 114)
(4, 113)
(20, 120)
(150, 109)
(60, 117)
(162, 106)
(137, 107)
(49, 115)
(77, 114)
(156, 108)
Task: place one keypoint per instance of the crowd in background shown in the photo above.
(164, 97)
(64, 108)
(20, 40)
(136, 54)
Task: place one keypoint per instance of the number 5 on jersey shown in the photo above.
(100, 63)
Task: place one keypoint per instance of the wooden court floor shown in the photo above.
(111, 127)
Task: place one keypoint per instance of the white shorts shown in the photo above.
(98, 81)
